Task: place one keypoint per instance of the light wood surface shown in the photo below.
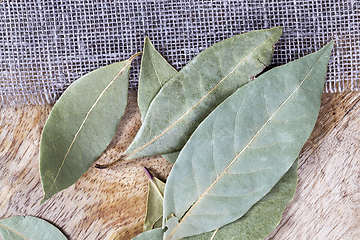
(110, 203)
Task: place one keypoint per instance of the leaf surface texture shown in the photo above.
(262, 217)
(81, 125)
(242, 149)
(187, 98)
(29, 228)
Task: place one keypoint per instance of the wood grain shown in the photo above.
(110, 203)
(326, 202)
(102, 204)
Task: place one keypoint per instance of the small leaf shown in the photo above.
(263, 217)
(81, 125)
(29, 228)
(242, 149)
(154, 207)
(155, 71)
(186, 99)
(155, 234)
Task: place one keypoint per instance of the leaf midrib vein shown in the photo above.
(251, 140)
(127, 64)
(155, 70)
(187, 112)
(13, 231)
(214, 234)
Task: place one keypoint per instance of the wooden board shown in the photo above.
(110, 203)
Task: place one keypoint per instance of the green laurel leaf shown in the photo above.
(29, 228)
(81, 125)
(243, 148)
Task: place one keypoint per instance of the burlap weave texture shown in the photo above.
(46, 45)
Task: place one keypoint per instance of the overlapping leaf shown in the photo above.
(154, 207)
(29, 228)
(155, 71)
(260, 220)
(186, 99)
(242, 149)
(81, 125)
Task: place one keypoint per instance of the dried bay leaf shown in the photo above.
(154, 206)
(81, 125)
(262, 217)
(242, 149)
(29, 228)
(155, 71)
(155, 234)
(187, 98)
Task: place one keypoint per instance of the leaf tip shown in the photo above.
(147, 42)
(43, 200)
(279, 28)
(331, 44)
(278, 31)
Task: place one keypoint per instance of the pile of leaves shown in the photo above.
(233, 135)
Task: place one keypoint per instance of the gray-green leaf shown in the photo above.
(242, 149)
(263, 217)
(155, 234)
(29, 228)
(81, 125)
(154, 207)
(155, 71)
(186, 99)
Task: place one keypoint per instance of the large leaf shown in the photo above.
(186, 99)
(155, 71)
(242, 149)
(263, 217)
(29, 228)
(81, 125)
(154, 207)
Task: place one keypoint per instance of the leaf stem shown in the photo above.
(134, 56)
(148, 174)
(107, 165)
